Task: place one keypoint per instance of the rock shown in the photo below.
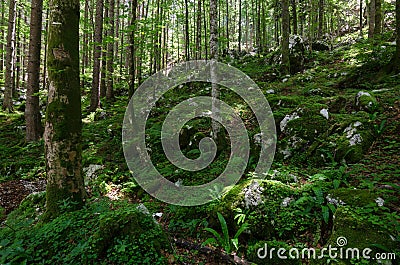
(320, 46)
(90, 172)
(131, 223)
(325, 113)
(355, 141)
(255, 195)
(288, 118)
(296, 56)
(366, 102)
(351, 230)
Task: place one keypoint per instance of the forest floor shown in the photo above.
(340, 72)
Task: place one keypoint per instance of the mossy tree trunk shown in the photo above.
(32, 111)
(63, 117)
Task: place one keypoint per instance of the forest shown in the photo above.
(200, 132)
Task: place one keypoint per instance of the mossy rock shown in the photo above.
(130, 223)
(358, 233)
(353, 197)
(355, 141)
(261, 199)
(366, 101)
(302, 129)
(257, 251)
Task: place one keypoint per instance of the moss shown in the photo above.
(358, 233)
(353, 197)
(127, 222)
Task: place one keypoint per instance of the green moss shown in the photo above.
(353, 197)
(358, 232)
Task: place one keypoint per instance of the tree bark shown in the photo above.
(132, 53)
(110, 54)
(294, 16)
(9, 78)
(371, 19)
(395, 62)
(103, 64)
(320, 18)
(240, 27)
(32, 111)
(285, 36)
(378, 17)
(98, 38)
(2, 23)
(187, 37)
(63, 127)
(216, 127)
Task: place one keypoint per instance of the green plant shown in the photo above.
(223, 240)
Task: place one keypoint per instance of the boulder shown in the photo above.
(320, 46)
(365, 101)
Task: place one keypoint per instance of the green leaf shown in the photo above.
(336, 183)
(241, 230)
(224, 227)
(325, 213)
(209, 240)
(215, 233)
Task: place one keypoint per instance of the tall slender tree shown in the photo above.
(110, 53)
(285, 36)
(132, 49)
(32, 110)
(10, 58)
(371, 17)
(63, 116)
(378, 17)
(216, 127)
(98, 38)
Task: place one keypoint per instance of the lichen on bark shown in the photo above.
(63, 115)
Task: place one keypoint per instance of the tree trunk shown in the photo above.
(227, 25)
(2, 23)
(198, 34)
(216, 127)
(32, 111)
(294, 16)
(187, 37)
(98, 38)
(63, 128)
(103, 64)
(395, 62)
(285, 36)
(378, 17)
(371, 19)
(320, 18)
(240, 27)
(110, 54)
(10, 58)
(361, 19)
(132, 47)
